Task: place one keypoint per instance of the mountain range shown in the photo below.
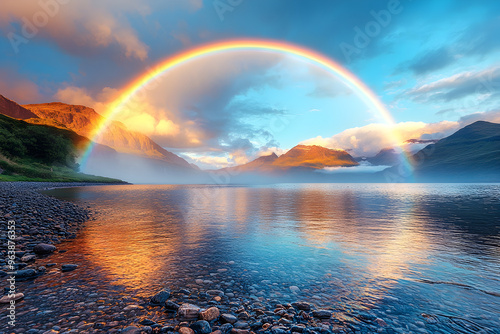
(470, 154)
(300, 157)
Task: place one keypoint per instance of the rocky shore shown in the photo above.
(75, 305)
(34, 224)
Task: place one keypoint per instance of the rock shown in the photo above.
(171, 306)
(279, 330)
(239, 331)
(146, 322)
(43, 249)
(381, 322)
(297, 328)
(294, 289)
(160, 298)
(201, 327)
(131, 330)
(26, 273)
(226, 328)
(322, 314)
(28, 258)
(210, 314)
(185, 330)
(215, 293)
(302, 306)
(188, 312)
(241, 324)
(7, 298)
(68, 267)
(229, 318)
(366, 316)
(131, 307)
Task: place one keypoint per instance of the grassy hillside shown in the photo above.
(31, 152)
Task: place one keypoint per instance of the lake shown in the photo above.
(421, 257)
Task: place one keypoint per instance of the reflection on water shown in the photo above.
(430, 249)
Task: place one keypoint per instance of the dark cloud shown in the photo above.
(432, 61)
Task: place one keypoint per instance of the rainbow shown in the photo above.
(135, 86)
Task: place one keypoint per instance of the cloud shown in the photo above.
(477, 39)
(79, 27)
(485, 83)
(362, 168)
(18, 89)
(368, 140)
(431, 61)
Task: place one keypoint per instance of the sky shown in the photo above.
(433, 64)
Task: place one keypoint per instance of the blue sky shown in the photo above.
(434, 64)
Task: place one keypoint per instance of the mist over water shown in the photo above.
(395, 250)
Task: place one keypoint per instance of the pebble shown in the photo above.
(131, 330)
(43, 249)
(160, 297)
(185, 330)
(188, 312)
(229, 318)
(7, 298)
(210, 314)
(201, 327)
(322, 314)
(68, 267)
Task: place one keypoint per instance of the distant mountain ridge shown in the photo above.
(299, 157)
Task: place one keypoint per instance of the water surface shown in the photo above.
(423, 257)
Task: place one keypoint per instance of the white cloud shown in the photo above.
(368, 140)
(481, 84)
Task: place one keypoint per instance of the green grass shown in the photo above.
(31, 152)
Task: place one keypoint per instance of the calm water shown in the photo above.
(422, 255)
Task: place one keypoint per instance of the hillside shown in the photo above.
(84, 120)
(471, 153)
(14, 110)
(40, 152)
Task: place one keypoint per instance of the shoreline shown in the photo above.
(42, 219)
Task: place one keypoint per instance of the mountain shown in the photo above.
(263, 163)
(300, 157)
(386, 157)
(315, 157)
(472, 152)
(83, 120)
(14, 110)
